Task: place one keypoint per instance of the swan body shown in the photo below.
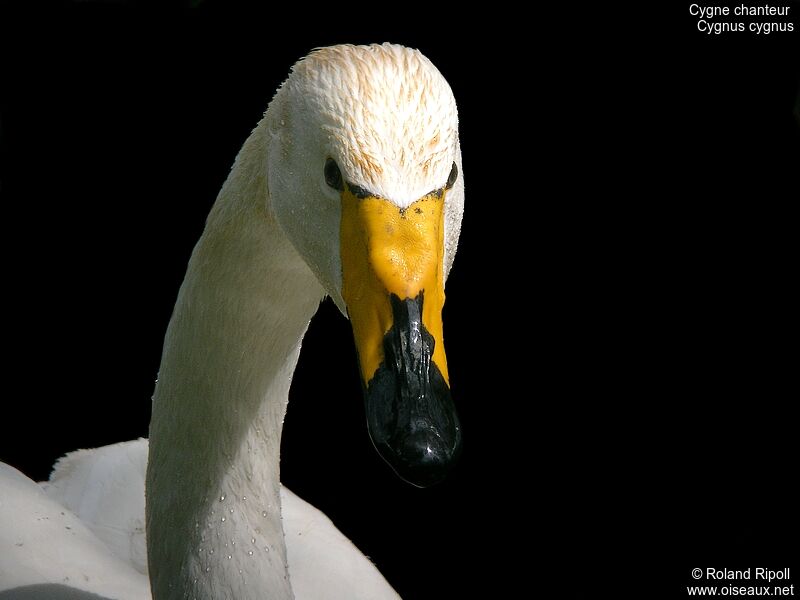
(93, 507)
(347, 187)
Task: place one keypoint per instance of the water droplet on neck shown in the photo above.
(208, 569)
(222, 520)
(244, 498)
(211, 551)
(250, 553)
(266, 548)
(222, 498)
(253, 541)
(229, 557)
(231, 511)
(263, 513)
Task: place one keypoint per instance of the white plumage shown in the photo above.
(84, 530)
(218, 523)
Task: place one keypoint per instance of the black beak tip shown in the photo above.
(423, 458)
(410, 413)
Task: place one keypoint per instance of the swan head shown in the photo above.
(364, 179)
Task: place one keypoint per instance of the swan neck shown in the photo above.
(213, 484)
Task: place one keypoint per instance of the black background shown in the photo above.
(621, 322)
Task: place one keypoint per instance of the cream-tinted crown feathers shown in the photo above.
(394, 130)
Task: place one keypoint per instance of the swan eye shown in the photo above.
(451, 179)
(333, 176)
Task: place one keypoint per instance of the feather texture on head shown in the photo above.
(395, 131)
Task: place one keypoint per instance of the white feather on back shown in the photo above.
(49, 553)
(86, 531)
(105, 489)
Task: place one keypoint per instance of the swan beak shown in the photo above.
(393, 285)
